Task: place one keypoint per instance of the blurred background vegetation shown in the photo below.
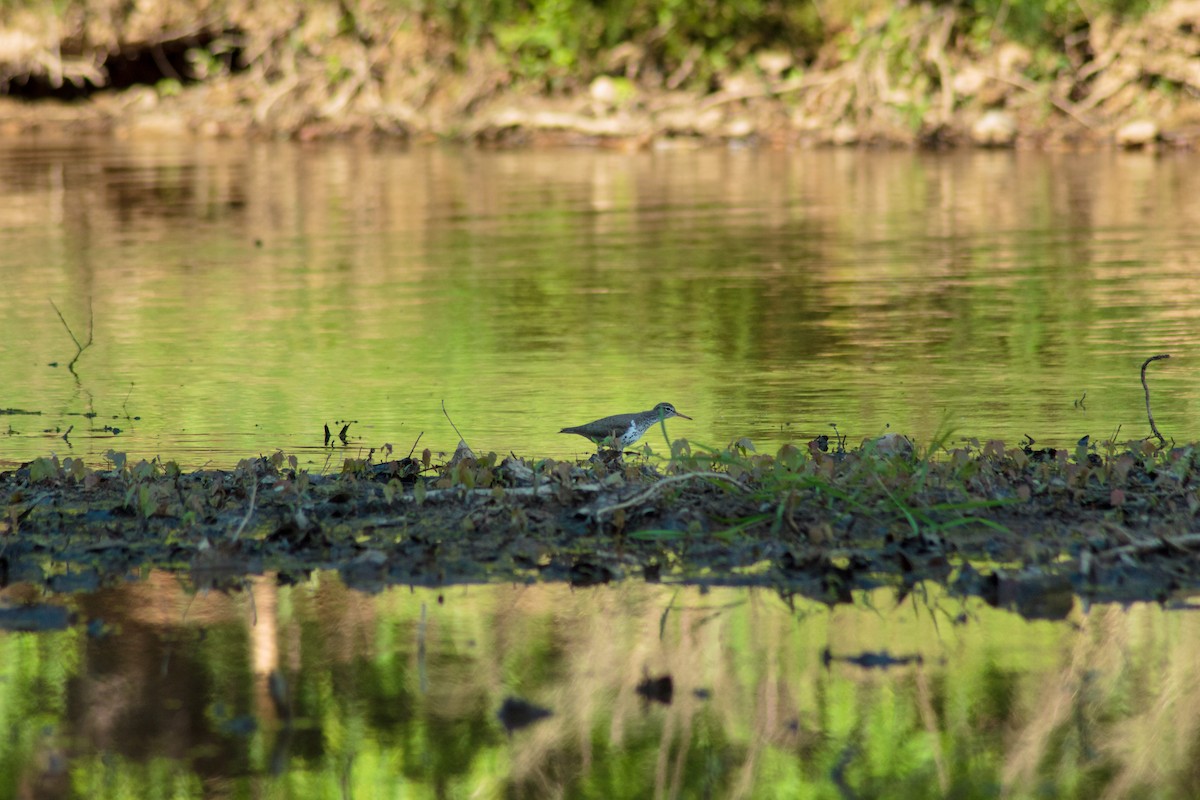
(559, 42)
(916, 72)
(565, 40)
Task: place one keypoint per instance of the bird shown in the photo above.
(624, 429)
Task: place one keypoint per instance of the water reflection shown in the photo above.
(245, 294)
(154, 686)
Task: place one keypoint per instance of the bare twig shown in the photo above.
(774, 90)
(458, 494)
(657, 487)
(70, 332)
(452, 425)
(1162, 442)
(414, 447)
(79, 348)
(547, 490)
(1142, 546)
(1063, 105)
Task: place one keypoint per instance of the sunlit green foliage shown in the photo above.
(562, 41)
(1045, 23)
(568, 40)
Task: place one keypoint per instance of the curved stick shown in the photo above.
(1161, 441)
(79, 348)
(658, 485)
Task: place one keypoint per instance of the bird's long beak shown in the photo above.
(685, 416)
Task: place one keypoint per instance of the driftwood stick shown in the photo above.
(657, 487)
(1142, 546)
(1161, 441)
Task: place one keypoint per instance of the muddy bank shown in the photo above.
(1106, 522)
(926, 75)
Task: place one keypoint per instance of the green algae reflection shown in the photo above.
(159, 691)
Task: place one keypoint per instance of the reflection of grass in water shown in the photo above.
(1105, 700)
(37, 669)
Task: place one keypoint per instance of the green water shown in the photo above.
(244, 295)
(155, 691)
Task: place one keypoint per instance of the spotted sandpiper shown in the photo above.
(623, 430)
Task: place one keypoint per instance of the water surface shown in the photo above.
(155, 690)
(244, 295)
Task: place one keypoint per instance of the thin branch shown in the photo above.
(1063, 105)
(458, 494)
(452, 425)
(657, 487)
(414, 447)
(1161, 441)
(79, 348)
(70, 333)
(1142, 546)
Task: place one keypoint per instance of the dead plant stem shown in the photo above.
(657, 487)
(1062, 105)
(452, 425)
(1142, 546)
(1149, 415)
(79, 348)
